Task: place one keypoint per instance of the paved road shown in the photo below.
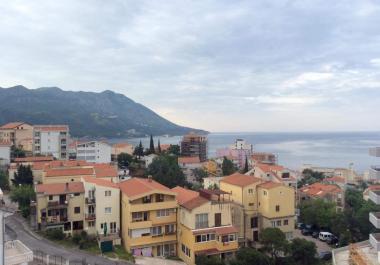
(16, 229)
(321, 246)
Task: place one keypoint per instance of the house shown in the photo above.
(327, 192)
(5, 152)
(60, 205)
(148, 159)
(367, 191)
(51, 140)
(188, 164)
(258, 203)
(212, 182)
(264, 158)
(19, 134)
(119, 148)
(102, 209)
(205, 225)
(94, 151)
(337, 180)
(148, 218)
(274, 173)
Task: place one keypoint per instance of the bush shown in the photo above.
(55, 234)
(76, 238)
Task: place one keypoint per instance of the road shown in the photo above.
(16, 228)
(321, 246)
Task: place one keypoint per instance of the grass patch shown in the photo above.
(122, 254)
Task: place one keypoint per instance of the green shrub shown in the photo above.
(76, 238)
(55, 234)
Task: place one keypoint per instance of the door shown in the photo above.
(255, 236)
(218, 219)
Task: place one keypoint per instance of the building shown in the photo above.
(188, 164)
(16, 253)
(239, 151)
(119, 148)
(19, 134)
(349, 173)
(148, 218)
(51, 140)
(368, 190)
(258, 205)
(35, 162)
(94, 151)
(212, 182)
(102, 209)
(193, 144)
(60, 205)
(205, 225)
(365, 252)
(264, 158)
(339, 181)
(274, 173)
(5, 153)
(148, 159)
(327, 192)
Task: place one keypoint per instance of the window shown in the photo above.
(286, 222)
(101, 226)
(107, 210)
(76, 194)
(265, 192)
(204, 238)
(251, 204)
(250, 191)
(156, 230)
(113, 227)
(186, 250)
(50, 197)
(164, 212)
(91, 223)
(278, 223)
(159, 197)
(107, 193)
(147, 199)
(231, 237)
(169, 229)
(139, 216)
(254, 222)
(277, 208)
(201, 220)
(273, 223)
(76, 209)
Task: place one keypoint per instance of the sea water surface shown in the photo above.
(330, 149)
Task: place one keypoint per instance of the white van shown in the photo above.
(323, 236)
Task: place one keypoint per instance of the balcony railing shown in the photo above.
(90, 216)
(57, 204)
(90, 201)
(374, 240)
(52, 220)
(374, 195)
(17, 253)
(374, 218)
(375, 151)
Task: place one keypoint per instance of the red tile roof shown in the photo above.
(60, 188)
(139, 186)
(189, 160)
(267, 168)
(33, 159)
(11, 125)
(194, 203)
(270, 185)
(320, 189)
(105, 171)
(51, 128)
(336, 179)
(239, 179)
(57, 172)
(121, 145)
(184, 195)
(100, 182)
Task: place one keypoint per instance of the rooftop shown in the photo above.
(12, 125)
(100, 182)
(189, 160)
(51, 128)
(270, 185)
(57, 172)
(60, 188)
(239, 179)
(320, 189)
(184, 195)
(138, 186)
(33, 159)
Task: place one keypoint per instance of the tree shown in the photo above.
(159, 147)
(309, 177)
(245, 170)
(250, 256)
(317, 212)
(24, 175)
(151, 145)
(274, 242)
(228, 167)
(23, 195)
(4, 180)
(208, 260)
(199, 174)
(165, 170)
(124, 159)
(174, 149)
(17, 152)
(139, 150)
(303, 252)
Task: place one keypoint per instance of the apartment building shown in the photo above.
(94, 151)
(188, 164)
(239, 151)
(19, 134)
(274, 173)
(60, 205)
(258, 204)
(148, 218)
(205, 225)
(193, 144)
(263, 158)
(102, 209)
(35, 162)
(51, 140)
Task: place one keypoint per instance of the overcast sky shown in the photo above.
(217, 65)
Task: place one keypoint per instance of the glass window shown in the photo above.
(107, 193)
(76, 209)
(201, 220)
(107, 210)
(286, 222)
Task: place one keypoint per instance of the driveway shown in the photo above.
(157, 261)
(16, 228)
(321, 246)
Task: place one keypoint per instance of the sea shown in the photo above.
(295, 149)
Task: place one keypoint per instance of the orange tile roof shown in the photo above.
(33, 159)
(336, 179)
(139, 186)
(239, 179)
(270, 168)
(57, 172)
(60, 188)
(194, 203)
(184, 195)
(374, 187)
(270, 185)
(165, 147)
(320, 189)
(100, 182)
(11, 125)
(189, 160)
(105, 171)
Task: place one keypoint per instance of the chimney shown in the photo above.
(150, 178)
(67, 186)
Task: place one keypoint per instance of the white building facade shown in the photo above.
(94, 151)
(51, 140)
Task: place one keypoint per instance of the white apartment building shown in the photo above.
(5, 153)
(102, 209)
(51, 140)
(94, 151)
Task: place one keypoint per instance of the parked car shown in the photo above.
(308, 230)
(300, 226)
(324, 236)
(333, 240)
(325, 255)
(315, 234)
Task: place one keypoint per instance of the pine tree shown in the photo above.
(159, 146)
(151, 146)
(139, 150)
(246, 165)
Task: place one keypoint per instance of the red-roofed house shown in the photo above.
(18, 134)
(60, 205)
(149, 218)
(205, 224)
(274, 173)
(328, 192)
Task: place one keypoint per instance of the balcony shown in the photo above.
(374, 218)
(374, 173)
(374, 195)
(140, 224)
(90, 201)
(57, 204)
(374, 240)
(90, 216)
(16, 252)
(54, 220)
(152, 239)
(375, 151)
(142, 207)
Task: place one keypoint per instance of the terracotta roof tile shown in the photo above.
(121, 145)
(139, 186)
(51, 127)
(100, 182)
(11, 125)
(239, 179)
(105, 171)
(270, 168)
(57, 172)
(33, 159)
(320, 189)
(189, 160)
(336, 179)
(194, 203)
(270, 185)
(184, 195)
(60, 188)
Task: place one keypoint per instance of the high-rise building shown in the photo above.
(193, 144)
(51, 140)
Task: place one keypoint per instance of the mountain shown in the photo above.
(106, 114)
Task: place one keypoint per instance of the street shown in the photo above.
(321, 246)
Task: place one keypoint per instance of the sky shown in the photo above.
(216, 65)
